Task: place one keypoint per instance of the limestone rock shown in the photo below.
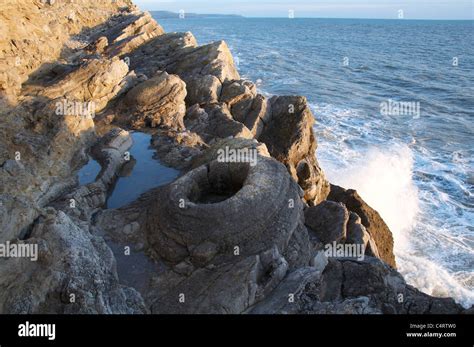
(212, 59)
(383, 286)
(157, 102)
(178, 53)
(225, 288)
(132, 32)
(251, 147)
(161, 52)
(177, 149)
(203, 89)
(357, 234)
(214, 122)
(290, 139)
(328, 221)
(227, 204)
(98, 46)
(229, 288)
(88, 199)
(236, 91)
(281, 301)
(72, 264)
(228, 236)
(34, 32)
(371, 220)
(351, 287)
(96, 81)
(16, 215)
(320, 261)
(254, 113)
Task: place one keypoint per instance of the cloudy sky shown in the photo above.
(412, 9)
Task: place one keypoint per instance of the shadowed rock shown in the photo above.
(328, 221)
(231, 287)
(371, 220)
(357, 234)
(351, 287)
(75, 273)
(230, 205)
(290, 139)
(238, 144)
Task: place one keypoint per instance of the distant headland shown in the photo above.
(169, 15)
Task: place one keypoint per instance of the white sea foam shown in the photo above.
(383, 175)
(384, 180)
(431, 278)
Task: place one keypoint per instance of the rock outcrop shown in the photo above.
(328, 221)
(36, 32)
(370, 219)
(351, 287)
(75, 270)
(290, 139)
(157, 102)
(228, 205)
(75, 273)
(244, 227)
(331, 222)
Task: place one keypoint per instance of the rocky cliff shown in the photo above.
(227, 236)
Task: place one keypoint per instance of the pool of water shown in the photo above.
(147, 173)
(139, 175)
(134, 268)
(88, 173)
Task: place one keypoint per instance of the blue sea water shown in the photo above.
(417, 169)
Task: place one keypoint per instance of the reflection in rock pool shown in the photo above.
(146, 174)
(88, 173)
(134, 268)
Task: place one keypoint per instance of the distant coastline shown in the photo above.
(170, 15)
(174, 15)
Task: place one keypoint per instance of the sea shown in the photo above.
(394, 108)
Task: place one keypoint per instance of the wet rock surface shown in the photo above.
(241, 230)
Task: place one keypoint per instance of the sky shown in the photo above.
(411, 9)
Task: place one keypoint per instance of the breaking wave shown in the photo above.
(429, 255)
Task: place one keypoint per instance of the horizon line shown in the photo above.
(282, 17)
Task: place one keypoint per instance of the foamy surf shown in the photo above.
(383, 173)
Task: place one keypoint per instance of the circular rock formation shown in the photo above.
(226, 209)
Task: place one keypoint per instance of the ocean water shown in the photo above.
(415, 168)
